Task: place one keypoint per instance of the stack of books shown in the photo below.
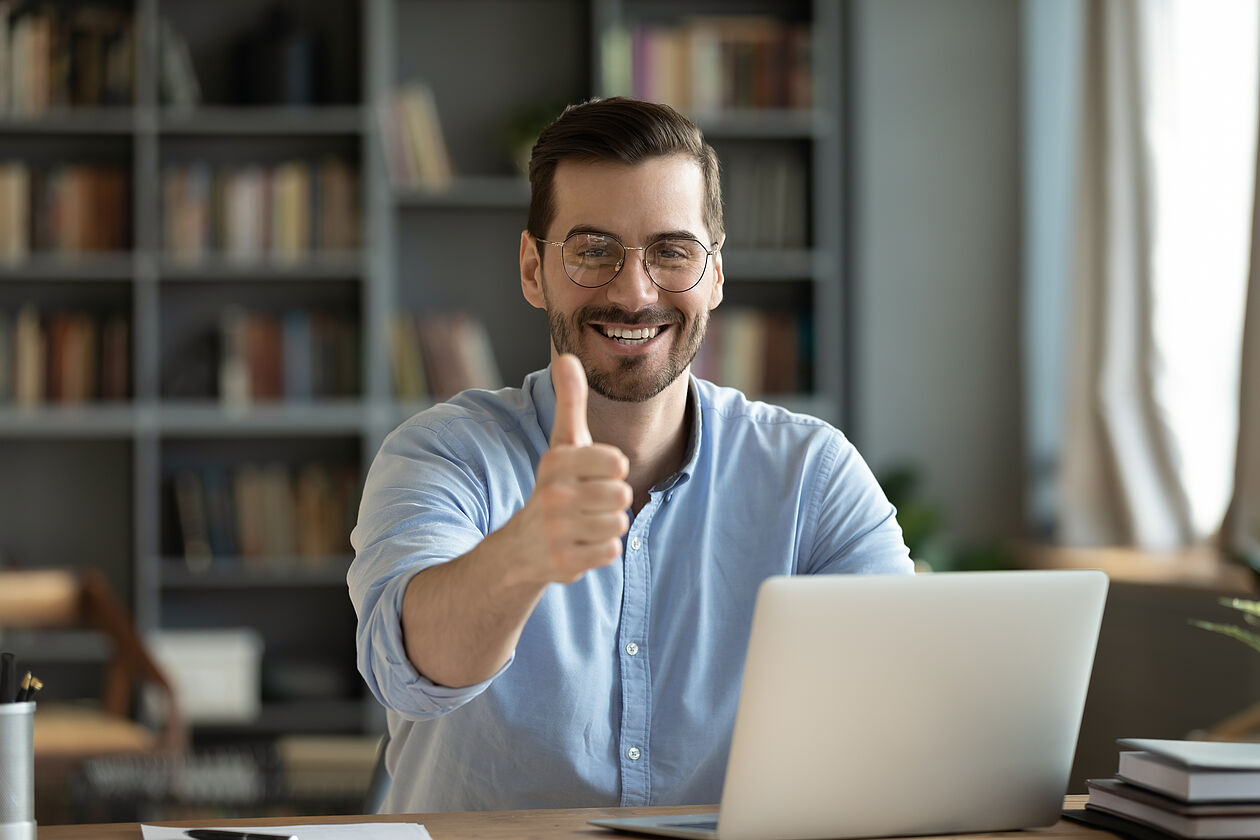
(1190, 789)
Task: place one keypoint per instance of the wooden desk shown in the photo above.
(517, 825)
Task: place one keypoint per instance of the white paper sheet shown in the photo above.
(350, 831)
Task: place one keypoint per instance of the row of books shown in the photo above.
(295, 355)
(411, 133)
(65, 209)
(1187, 789)
(256, 212)
(710, 64)
(766, 193)
(264, 513)
(53, 56)
(760, 352)
(435, 356)
(64, 357)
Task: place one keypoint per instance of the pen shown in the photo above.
(220, 834)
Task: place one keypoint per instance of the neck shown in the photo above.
(652, 434)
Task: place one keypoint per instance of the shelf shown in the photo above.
(246, 122)
(87, 420)
(296, 716)
(765, 124)
(120, 120)
(209, 417)
(58, 646)
(327, 265)
(253, 573)
(766, 264)
(478, 192)
(88, 267)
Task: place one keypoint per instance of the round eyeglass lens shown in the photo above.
(676, 264)
(592, 259)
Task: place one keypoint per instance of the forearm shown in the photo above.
(461, 620)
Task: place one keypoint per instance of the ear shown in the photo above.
(531, 272)
(715, 294)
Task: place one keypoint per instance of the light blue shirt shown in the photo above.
(623, 687)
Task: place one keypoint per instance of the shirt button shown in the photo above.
(632, 648)
(633, 753)
(635, 543)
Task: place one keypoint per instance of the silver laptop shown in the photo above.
(877, 706)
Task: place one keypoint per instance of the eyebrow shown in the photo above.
(655, 237)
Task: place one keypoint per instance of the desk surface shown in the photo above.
(492, 825)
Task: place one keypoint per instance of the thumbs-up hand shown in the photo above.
(577, 512)
(569, 381)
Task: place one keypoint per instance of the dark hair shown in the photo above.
(622, 130)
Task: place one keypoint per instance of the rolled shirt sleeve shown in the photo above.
(406, 526)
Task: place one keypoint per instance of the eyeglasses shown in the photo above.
(593, 259)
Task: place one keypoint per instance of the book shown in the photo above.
(190, 504)
(1202, 820)
(115, 358)
(247, 213)
(299, 374)
(15, 205)
(1193, 771)
(29, 357)
(291, 211)
(235, 386)
(251, 524)
(421, 133)
(408, 363)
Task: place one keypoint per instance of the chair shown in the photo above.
(66, 735)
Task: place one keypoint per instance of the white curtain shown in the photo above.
(1243, 533)
(1162, 235)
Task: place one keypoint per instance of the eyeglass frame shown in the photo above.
(708, 252)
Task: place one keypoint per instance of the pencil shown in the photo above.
(36, 685)
(26, 686)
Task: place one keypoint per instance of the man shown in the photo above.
(555, 586)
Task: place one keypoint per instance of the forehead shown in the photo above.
(661, 193)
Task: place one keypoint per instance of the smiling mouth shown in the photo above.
(630, 336)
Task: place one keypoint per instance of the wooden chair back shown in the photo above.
(62, 598)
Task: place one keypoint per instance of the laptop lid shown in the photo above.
(875, 706)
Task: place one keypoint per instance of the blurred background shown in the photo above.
(1004, 245)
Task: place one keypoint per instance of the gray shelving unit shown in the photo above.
(89, 484)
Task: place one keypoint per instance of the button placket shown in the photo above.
(636, 709)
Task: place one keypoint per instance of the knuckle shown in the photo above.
(554, 496)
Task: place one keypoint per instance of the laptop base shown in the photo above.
(697, 826)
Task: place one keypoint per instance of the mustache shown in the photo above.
(613, 314)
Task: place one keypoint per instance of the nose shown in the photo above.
(632, 288)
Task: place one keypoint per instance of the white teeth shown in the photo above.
(639, 334)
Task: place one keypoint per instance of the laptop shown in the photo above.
(876, 706)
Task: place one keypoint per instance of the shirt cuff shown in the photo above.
(394, 681)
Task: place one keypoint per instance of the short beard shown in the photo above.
(631, 380)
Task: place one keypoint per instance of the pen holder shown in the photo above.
(17, 771)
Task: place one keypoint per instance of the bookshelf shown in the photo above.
(111, 466)
(781, 147)
(109, 463)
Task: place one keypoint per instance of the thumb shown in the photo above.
(569, 381)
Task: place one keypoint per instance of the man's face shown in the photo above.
(638, 205)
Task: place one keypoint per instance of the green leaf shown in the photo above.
(1245, 636)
